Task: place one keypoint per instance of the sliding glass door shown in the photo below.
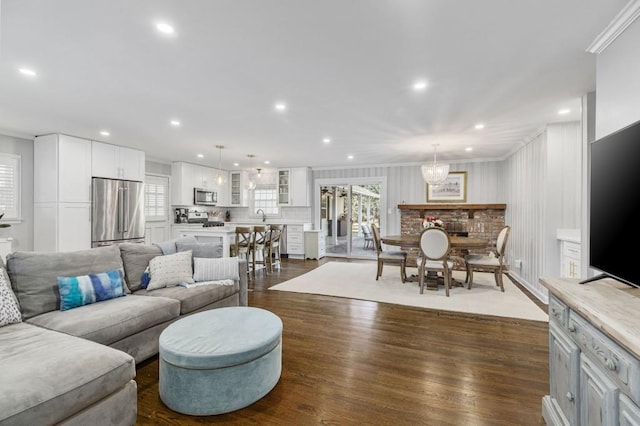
(347, 212)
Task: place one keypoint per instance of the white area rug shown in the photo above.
(358, 281)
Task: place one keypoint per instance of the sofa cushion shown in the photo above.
(92, 288)
(112, 320)
(9, 308)
(135, 258)
(193, 298)
(200, 249)
(34, 275)
(170, 270)
(48, 376)
(215, 269)
(169, 246)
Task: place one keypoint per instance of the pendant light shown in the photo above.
(251, 184)
(221, 179)
(435, 173)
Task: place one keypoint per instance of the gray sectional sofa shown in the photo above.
(77, 366)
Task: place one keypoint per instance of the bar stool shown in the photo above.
(273, 246)
(243, 244)
(260, 238)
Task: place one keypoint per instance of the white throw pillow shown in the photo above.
(170, 270)
(213, 269)
(9, 308)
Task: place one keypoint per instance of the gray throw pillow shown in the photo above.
(207, 250)
(135, 258)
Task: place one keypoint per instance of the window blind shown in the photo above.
(155, 198)
(10, 186)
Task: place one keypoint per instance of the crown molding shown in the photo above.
(627, 15)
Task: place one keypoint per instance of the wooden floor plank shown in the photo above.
(358, 362)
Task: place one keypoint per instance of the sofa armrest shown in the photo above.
(243, 284)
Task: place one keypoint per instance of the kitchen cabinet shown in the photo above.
(62, 193)
(594, 355)
(314, 244)
(117, 162)
(62, 226)
(295, 239)
(186, 176)
(239, 196)
(294, 187)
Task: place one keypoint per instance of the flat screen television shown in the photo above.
(615, 182)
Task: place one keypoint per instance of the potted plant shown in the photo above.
(4, 225)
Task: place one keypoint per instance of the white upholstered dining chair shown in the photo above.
(492, 263)
(435, 247)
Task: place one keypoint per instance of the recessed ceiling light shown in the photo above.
(164, 28)
(326, 140)
(27, 71)
(200, 156)
(280, 106)
(267, 162)
(236, 164)
(479, 126)
(419, 85)
(104, 133)
(564, 111)
(468, 149)
(350, 157)
(175, 123)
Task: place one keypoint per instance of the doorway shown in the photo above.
(347, 212)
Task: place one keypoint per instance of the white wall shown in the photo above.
(22, 233)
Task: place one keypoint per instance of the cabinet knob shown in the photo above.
(569, 396)
(610, 364)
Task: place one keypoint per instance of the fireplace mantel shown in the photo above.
(471, 208)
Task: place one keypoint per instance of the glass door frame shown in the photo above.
(349, 181)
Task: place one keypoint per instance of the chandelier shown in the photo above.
(251, 184)
(221, 178)
(435, 173)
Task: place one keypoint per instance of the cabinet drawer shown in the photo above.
(570, 249)
(295, 238)
(295, 229)
(622, 367)
(295, 248)
(558, 312)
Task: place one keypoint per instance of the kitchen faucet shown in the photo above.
(264, 216)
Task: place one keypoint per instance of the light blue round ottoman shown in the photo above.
(220, 360)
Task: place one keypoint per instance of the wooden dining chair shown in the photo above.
(491, 263)
(398, 257)
(257, 250)
(273, 246)
(242, 245)
(435, 247)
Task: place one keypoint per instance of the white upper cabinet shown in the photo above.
(117, 162)
(185, 177)
(62, 169)
(294, 187)
(238, 194)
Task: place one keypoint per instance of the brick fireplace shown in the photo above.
(475, 220)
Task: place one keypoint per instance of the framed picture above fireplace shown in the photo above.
(453, 190)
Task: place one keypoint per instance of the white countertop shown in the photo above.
(572, 235)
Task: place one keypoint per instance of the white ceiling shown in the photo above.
(344, 67)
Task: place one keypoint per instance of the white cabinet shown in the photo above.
(314, 244)
(182, 184)
(594, 362)
(295, 239)
(185, 177)
(294, 187)
(62, 226)
(62, 169)
(117, 162)
(238, 194)
(62, 193)
(569, 253)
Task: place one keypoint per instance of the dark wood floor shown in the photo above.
(352, 362)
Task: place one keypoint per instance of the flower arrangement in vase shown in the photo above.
(432, 222)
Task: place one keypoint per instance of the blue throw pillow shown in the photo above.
(92, 288)
(144, 280)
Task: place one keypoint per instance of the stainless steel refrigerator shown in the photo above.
(117, 212)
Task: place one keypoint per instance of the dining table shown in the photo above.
(457, 242)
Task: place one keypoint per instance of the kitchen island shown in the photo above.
(225, 234)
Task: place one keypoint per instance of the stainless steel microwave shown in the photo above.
(204, 197)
